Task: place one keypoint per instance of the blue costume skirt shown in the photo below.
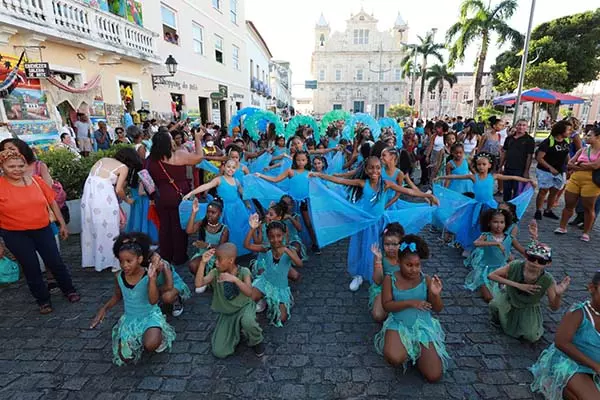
(360, 257)
(138, 217)
(274, 296)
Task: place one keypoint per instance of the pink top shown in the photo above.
(587, 156)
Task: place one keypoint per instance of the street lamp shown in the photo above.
(413, 73)
(171, 68)
(524, 64)
(380, 71)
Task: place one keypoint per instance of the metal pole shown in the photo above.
(414, 78)
(523, 64)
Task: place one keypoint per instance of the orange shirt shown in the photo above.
(25, 207)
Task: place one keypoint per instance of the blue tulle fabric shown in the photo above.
(138, 217)
(185, 211)
(260, 163)
(207, 166)
(335, 163)
(235, 215)
(388, 122)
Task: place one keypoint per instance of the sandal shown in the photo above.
(560, 231)
(73, 297)
(585, 237)
(53, 286)
(45, 309)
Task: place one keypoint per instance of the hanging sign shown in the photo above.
(37, 70)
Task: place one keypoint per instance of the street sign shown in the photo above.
(310, 84)
(37, 70)
(223, 90)
(216, 96)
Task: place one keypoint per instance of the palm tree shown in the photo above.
(436, 76)
(476, 20)
(426, 47)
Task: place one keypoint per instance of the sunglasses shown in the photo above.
(538, 260)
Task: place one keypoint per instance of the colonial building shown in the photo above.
(358, 69)
(259, 67)
(588, 112)
(281, 88)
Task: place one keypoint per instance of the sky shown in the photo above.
(288, 25)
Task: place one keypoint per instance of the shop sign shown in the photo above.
(223, 90)
(216, 96)
(37, 70)
(238, 96)
(180, 85)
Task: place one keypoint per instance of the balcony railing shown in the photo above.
(83, 22)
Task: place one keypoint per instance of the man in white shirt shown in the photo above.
(83, 128)
(66, 142)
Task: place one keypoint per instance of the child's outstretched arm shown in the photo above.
(451, 177)
(412, 192)
(390, 305)
(200, 279)
(377, 264)
(192, 226)
(501, 177)
(116, 297)
(556, 291)
(434, 291)
(297, 261)
(482, 242)
(336, 179)
(203, 188)
(274, 179)
(348, 174)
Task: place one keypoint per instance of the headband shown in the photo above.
(541, 250)
(411, 246)
(6, 155)
(488, 156)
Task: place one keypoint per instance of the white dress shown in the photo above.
(99, 220)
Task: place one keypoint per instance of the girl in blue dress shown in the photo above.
(367, 190)
(390, 173)
(235, 212)
(272, 285)
(492, 251)
(458, 165)
(297, 177)
(410, 333)
(383, 265)
(142, 326)
(212, 233)
(279, 150)
(570, 367)
(294, 227)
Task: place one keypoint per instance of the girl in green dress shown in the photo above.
(142, 326)
(517, 308)
(570, 367)
(410, 333)
(232, 288)
(384, 265)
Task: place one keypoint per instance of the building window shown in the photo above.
(198, 38)
(337, 106)
(235, 56)
(382, 76)
(465, 96)
(397, 74)
(322, 75)
(431, 95)
(169, 23)
(359, 74)
(338, 74)
(454, 96)
(233, 4)
(217, 4)
(219, 49)
(361, 36)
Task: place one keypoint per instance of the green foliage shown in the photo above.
(72, 172)
(565, 112)
(574, 39)
(437, 75)
(485, 112)
(546, 75)
(400, 111)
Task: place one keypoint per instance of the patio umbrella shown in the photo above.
(539, 96)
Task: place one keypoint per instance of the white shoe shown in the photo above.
(261, 305)
(115, 269)
(162, 347)
(201, 289)
(356, 282)
(466, 253)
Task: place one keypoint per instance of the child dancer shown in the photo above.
(272, 285)
(298, 189)
(294, 227)
(235, 212)
(384, 265)
(389, 173)
(517, 307)
(232, 288)
(142, 326)
(212, 233)
(368, 191)
(458, 165)
(570, 367)
(410, 333)
(513, 229)
(492, 251)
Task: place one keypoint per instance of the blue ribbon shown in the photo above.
(411, 246)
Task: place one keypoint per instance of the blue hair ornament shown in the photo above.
(411, 246)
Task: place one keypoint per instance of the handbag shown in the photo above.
(596, 172)
(9, 270)
(171, 180)
(147, 181)
(60, 194)
(51, 215)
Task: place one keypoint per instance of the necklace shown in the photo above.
(213, 225)
(592, 309)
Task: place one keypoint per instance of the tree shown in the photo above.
(484, 113)
(509, 58)
(546, 75)
(574, 39)
(426, 48)
(478, 21)
(400, 111)
(437, 75)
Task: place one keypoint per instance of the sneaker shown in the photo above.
(578, 220)
(261, 305)
(201, 289)
(316, 249)
(538, 215)
(560, 231)
(177, 307)
(580, 225)
(356, 282)
(550, 214)
(259, 349)
(162, 347)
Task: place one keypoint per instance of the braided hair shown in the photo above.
(356, 192)
(217, 203)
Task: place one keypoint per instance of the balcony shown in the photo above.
(76, 22)
(254, 84)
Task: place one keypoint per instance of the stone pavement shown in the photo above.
(325, 351)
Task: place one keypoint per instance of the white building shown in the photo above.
(258, 72)
(358, 69)
(303, 101)
(207, 38)
(588, 112)
(281, 88)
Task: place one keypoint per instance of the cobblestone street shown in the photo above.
(325, 351)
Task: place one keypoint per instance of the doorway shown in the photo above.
(380, 111)
(204, 109)
(359, 106)
(223, 108)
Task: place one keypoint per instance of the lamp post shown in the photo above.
(380, 72)
(524, 65)
(413, 74)
(171, 68)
